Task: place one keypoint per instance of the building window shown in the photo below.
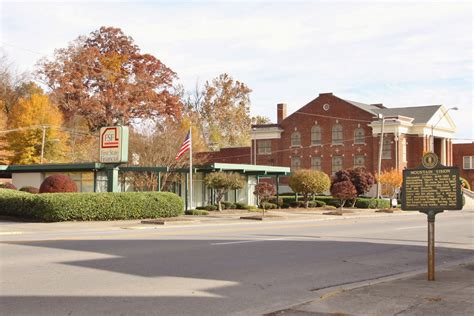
(337, 134)
(359, 161)
(83, 180)
(336, 164)
(359, 136)
(296, 139)
(386, 149)
(316, 163)
(404, 150)
(468, 162)
(264, 147)
(316, 135)
(295, 163)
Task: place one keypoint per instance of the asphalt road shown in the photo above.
(237, 269)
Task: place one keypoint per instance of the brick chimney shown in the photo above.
(281, 112)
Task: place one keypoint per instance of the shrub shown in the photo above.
(319, 203)
(196, 212)
(207, 208)
(278, 202)
(285, 205)
(222, 182)
(29, 189)
(465, 183)
(251, 207)
(372, 203)
(344, 191)
(241, 206)
(7, 185)
(307, 181)
(91, 206)
(58, 183)
(268, 206)
(228, 205)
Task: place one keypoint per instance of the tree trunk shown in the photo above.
(342, 203)
(354, 202)
(306, 201)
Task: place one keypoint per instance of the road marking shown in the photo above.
(10, 233)
(411, 227)
(246, 241)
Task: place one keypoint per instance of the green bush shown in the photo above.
(297, 204)
(278, 202)
(285, 205)
(241, 206)
(90, 206)
(196, 212)
(268, 206)
(251, 207)
(228, 205)
(372, 203)
(319, 203)
(208, 208)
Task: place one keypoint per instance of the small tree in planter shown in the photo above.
(307, 181)
(391, 181)
(344, 191)
(265, 191)
(222, 182)
(361, 179)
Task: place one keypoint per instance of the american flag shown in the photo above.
(185, 146)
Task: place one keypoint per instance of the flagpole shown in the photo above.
(190, 169)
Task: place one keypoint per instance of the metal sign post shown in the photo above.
(431, 189)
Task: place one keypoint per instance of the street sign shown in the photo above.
(431, 186)
(113, 144)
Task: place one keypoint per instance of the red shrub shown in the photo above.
(7, 185)
(57, 183)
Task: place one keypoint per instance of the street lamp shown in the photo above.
(381, 117)
(433, 126)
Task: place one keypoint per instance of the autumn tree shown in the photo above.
(265, 191)
(222, 182)
(391, 181)
(343, 190)
(307, 182)
(223, 106)
(29, 118)
(158, 146)
(260, 120)
(105, 78)
(360, 178)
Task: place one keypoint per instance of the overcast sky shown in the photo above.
(403, 53)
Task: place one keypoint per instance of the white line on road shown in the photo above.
(246, 241)
(410, 227)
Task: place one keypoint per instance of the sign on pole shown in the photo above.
(431, 189)
(431, 186)
(113, 144)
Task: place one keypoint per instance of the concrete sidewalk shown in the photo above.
(451, 294)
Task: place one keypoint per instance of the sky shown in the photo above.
(403, 53)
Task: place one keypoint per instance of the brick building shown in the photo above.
(463, 158)
(330, 133)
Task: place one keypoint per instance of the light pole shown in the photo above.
(381, 117)
(433, 126)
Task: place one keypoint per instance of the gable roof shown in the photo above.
(421, 114)
(366, 107)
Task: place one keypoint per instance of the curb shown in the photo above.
(325, 293)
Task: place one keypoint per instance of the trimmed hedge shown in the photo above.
(208, 208)
(55, 207)
(372, 203)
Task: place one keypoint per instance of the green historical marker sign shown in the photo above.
(431, 189)
(431, 186)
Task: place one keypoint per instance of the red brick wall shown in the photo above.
(459, 151)
(227, 155)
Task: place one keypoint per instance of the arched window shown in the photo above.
(316, 135)
(359, 136)
(337, 134)
(296, 139)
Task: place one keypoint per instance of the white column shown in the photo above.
(443, 151)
